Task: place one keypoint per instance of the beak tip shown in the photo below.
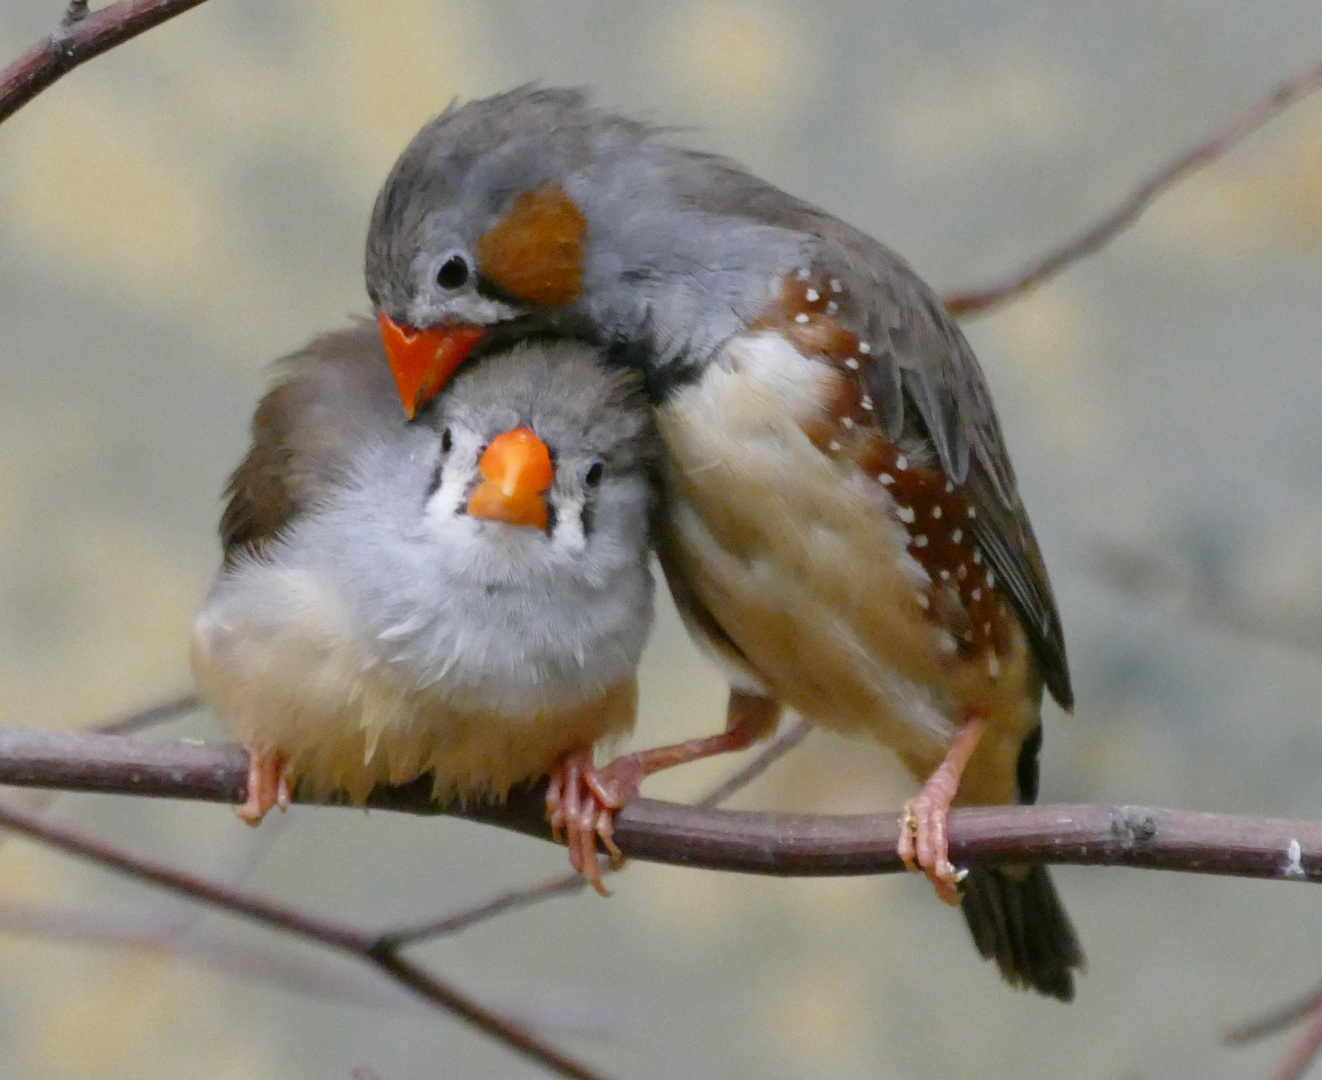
(422, 361)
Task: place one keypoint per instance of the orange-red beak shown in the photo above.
(422, 361)
(516, 471)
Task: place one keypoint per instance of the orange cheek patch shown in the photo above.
(536, 251)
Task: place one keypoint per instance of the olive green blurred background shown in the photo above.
(184, 210)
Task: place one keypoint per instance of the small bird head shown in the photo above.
(473, 229)
(535, 209)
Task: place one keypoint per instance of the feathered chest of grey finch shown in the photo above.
(466, 595)
(842, 526)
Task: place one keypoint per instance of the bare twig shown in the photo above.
(757, 843)
(1101, 232)
(151, 716)
(513, 900)
(360, 944)
(565, 884)
(79, 37)
(1304, 1050)
(320, 975)
(1277, 1020)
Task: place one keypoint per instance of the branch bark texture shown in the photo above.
(742, 841)
(1105, 229)
(78, 38)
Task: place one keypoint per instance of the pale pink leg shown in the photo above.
(923, 843)
(268, 785)
(582, 799)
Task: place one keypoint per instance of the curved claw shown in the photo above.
(581, 801)
(924, 847)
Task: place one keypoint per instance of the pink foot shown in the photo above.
(268, 785)
(924, 848)
(924, 842)
(581, 801)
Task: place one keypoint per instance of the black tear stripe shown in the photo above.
(434, 482)
(586, 518)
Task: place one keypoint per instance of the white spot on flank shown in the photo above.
(936, 512)
(901, 463)
(847, 422)
(812, 296)
(972, 513)
(832, 307)
(835, 284)
(1294, 865)
(975, 595)
(801, 317)
(945, 575)
(905, 514)
(852, 363)
(956, 536)
(866, 403)
(993, 666)
(886, 478)
(803, 274)
(949, 487)
(977, 558)
(923, 602)
(986, 627)
(920, 541)
(833, 446)
(991, 580)
(864, 348)
(961, 571)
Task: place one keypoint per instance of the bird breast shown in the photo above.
(806, 561)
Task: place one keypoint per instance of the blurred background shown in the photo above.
(182, 211)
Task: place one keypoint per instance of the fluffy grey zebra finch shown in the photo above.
(466, 596)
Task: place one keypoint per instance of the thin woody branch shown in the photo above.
(563, 885)
(1303, 1050)
(79, 37)
(1107, 228)
(365, 945)
(747, 842)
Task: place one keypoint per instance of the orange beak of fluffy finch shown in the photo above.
(516, 471)
(422, 361)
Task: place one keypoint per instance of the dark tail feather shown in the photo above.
(1017, 920)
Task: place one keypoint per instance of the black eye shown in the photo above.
(453, 273)
(593, 476)
(447, 441)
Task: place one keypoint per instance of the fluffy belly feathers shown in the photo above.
(291, 675)
(812, 577)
